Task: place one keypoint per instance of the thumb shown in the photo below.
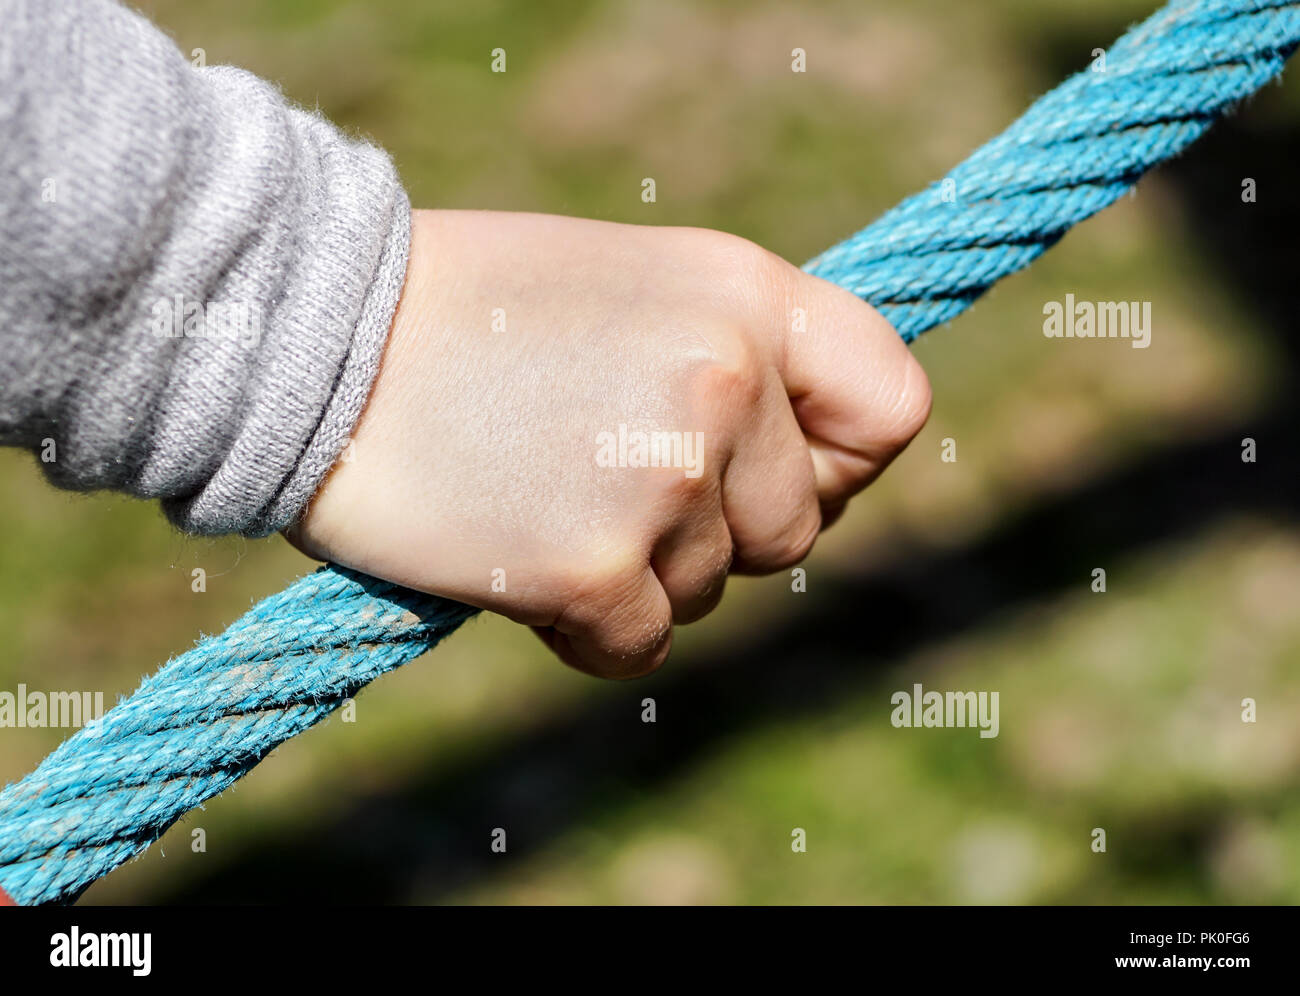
(857, 391)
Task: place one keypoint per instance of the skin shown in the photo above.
(478, 448)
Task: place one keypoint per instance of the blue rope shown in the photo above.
(1074, 152)
(207, 717)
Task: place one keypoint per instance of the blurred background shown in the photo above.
(1119, 710)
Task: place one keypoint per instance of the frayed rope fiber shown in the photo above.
(207, 717)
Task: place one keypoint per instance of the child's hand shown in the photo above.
(480, 469)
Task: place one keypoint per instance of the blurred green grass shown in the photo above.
(1118, 710)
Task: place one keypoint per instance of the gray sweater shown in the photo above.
(196, 279)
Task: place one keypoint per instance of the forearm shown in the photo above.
(196, 279)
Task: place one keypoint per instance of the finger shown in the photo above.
(692, 560)
(769, 491)
(621, 629)
(857, 391)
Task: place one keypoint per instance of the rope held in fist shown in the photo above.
(207, 717)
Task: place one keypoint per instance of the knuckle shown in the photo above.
(698, 595)
(620, 666)
(718, 563)
(731, 253)
(733, 376)
(790, 545)
(757, 265)
(749, 277)
(636, 644)
(655, 660)
(595, 589)
(796, 542)
(687, 490)
(609, 606)
(704, 599)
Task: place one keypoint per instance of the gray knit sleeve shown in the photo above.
(196, 279)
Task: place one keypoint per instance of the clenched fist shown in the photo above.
(586, 426)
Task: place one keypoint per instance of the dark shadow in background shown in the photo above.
(431, 836)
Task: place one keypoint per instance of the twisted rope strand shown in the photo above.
(209, 716)
(1075, 151)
